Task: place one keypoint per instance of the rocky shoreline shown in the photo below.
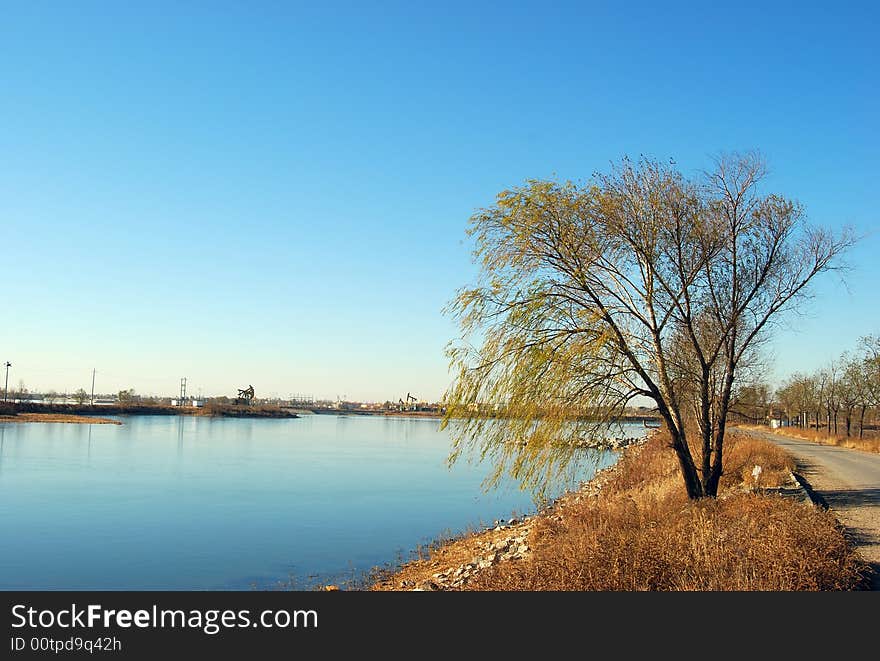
(505, 541)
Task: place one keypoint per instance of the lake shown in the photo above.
(199, 503)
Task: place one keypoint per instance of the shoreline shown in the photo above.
(452, 563)
(630, 516)
(90, 418)
(65, 418)
(69, 412)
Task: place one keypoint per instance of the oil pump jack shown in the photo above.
(245, 396)
(405, 406)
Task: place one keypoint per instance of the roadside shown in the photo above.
(848, 481)
(869, 443)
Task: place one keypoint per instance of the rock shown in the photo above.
(429, 586)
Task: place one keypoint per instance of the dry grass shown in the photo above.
(58, 417)
(871, 443)
(743, 453)
(641, 533)
(653, 469)
(745, 542)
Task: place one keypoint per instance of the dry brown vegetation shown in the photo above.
(871, 442)
(58, 417)
(640, 532)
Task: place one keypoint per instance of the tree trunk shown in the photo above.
(710, 482)
(688, 468)
(711, 485)
(862, 421)
(685, 461)
(705, 426)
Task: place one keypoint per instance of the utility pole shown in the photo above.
(6, 387)
(92, 398)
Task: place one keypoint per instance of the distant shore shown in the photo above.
(86, 413)
(626, 419)
(375, 412)
(32, 412)
(59, 417)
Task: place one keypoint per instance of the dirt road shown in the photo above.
(849, 483)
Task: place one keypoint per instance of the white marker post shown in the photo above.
(756, 473)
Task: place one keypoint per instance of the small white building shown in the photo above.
(197, 403)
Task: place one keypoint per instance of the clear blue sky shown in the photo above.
(275, 194)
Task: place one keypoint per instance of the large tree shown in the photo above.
(798, 398)
(638, 283)
(751, 401)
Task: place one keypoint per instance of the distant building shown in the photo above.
(196, 403)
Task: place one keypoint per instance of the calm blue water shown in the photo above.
(232, 504)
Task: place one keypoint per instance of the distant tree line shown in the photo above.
(843, 397)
